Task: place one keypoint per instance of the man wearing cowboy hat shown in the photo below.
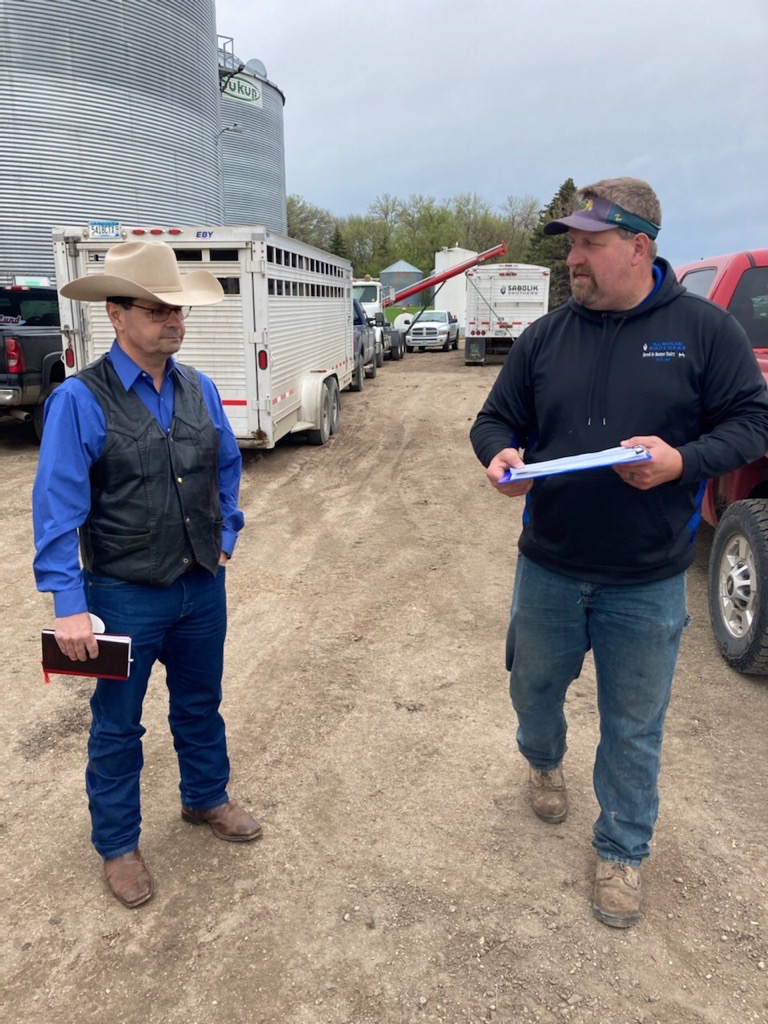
(630, 359)
(140, 468)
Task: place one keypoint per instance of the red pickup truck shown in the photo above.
(737, 504)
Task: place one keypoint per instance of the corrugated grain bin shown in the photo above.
(109, 111)
(251, 143)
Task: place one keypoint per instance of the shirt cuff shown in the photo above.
(69, 602)
(228, 541)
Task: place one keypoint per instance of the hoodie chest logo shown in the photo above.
(664, 351)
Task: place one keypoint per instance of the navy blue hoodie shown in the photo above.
(677, 366)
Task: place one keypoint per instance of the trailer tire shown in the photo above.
(738, 586)
(358, 376)
(321, 435)
(333, 386)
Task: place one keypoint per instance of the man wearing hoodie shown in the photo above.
(630, 359)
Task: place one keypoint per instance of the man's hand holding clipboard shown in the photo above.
(642, 462)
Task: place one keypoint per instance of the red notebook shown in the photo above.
(112, 662)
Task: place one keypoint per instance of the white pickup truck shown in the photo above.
(433, 328)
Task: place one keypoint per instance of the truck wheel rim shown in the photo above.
(738, 586)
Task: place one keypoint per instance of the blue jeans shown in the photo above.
(634, 632)
(183, 626)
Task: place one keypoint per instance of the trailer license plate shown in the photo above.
(104, 228)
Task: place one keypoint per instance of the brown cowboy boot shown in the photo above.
(227, 821)
(128, 879)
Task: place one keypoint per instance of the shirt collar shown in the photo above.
(129, 372)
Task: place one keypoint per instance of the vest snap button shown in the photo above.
(179, 479)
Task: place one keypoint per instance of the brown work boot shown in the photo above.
(128, 878)
(617, 894)
(227, 821)
(549, 798)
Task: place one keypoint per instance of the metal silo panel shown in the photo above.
(110, 113)
(253, 154)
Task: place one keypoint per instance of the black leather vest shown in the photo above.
(154, 497)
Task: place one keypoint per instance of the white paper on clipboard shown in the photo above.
(573, 463)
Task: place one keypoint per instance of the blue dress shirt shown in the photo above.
(73, 439)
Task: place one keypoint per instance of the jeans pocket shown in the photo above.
(104, 582)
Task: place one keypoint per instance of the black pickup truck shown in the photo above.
(30, 351)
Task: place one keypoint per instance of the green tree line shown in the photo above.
(414, 229)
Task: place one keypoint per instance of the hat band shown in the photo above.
(620, 217)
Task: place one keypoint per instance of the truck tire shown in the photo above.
(358, 376)
(38, 413)
(372, 369)
(738, 586)
(37, 421)
(321, 435)
(333, 386)
(380, 356)
(447, 346)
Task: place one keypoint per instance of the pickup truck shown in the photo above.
(30, 351)
(390, 343)
(736, 505)
(391, 340)
(366, 352)
(433, 328)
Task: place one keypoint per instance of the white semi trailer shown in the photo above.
(502, 300)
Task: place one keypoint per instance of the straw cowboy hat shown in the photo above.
(146, 270)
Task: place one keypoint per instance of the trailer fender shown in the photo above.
(312, 397)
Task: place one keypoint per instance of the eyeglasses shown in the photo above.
(160, 314)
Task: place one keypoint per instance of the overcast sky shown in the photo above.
(511, 97)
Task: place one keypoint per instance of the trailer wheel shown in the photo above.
(333, 386)
(358, 376)
(321, 435)
(738, 586)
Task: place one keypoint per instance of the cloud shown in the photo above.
(513, 96)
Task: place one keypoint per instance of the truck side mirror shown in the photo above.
(380, 320)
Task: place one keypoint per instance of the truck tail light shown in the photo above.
(263, 359)
(69, 358)
(14, 356)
